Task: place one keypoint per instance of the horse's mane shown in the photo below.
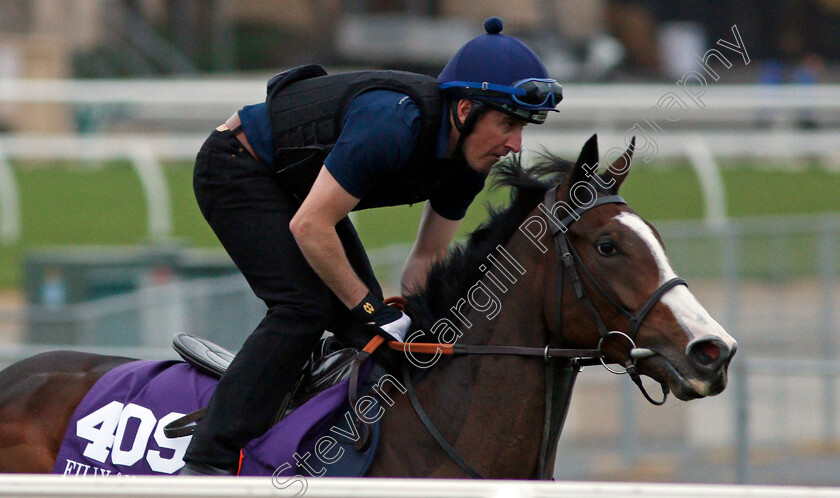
(450, 279)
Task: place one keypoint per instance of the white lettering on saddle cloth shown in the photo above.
(123, 434)
(77, 469)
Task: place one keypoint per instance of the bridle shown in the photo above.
(556, 406)
(569, 260)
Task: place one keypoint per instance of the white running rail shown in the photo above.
(165, 487)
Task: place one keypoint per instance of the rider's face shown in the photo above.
(494, 136)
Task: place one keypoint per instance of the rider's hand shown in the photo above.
(393, 322)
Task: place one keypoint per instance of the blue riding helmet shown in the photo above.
(502, 73)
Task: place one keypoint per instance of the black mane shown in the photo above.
(450, 279)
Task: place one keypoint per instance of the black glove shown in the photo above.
(393, 322)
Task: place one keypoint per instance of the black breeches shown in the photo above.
(250, 213)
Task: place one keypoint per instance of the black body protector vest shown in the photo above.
(306, 110)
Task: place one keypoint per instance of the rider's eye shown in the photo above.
(606, 248)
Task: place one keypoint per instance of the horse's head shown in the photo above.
(649, 320)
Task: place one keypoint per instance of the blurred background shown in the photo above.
(736, 109)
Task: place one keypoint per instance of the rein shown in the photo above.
(547, 353)
(455, 349)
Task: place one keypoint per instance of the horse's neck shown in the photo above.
(516, 283)
(491, 407)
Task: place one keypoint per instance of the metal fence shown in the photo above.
(222, 309)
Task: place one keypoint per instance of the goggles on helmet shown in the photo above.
(532, 93)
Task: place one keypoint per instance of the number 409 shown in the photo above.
(105, 429)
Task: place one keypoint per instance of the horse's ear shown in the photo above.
(587, 162)
(617, 172)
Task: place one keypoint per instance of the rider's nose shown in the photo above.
(709, 354)
(514, 142)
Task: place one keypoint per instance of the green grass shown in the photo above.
(103, 204)
(187, 221)
(77, 205)
(754, 192)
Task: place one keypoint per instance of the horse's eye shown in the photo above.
(606, 248)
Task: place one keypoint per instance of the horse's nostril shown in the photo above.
(708, 354)
(709, 349)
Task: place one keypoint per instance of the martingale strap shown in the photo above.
(559, 382)
(560, 377)
(430, 426)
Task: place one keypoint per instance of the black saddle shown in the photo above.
(204, 355)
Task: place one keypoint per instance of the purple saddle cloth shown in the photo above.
(117, 429)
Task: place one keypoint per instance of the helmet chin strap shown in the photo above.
(467, 126)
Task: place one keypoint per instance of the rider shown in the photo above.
(277, 181)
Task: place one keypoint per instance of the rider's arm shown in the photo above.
(433, 239)
(441, 220)
(313, 227)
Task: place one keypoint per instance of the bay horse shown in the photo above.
(527, 280)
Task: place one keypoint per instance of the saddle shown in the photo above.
(327, 366)
(204, 355)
